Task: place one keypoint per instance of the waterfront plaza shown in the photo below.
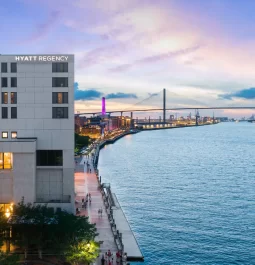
(37, 130)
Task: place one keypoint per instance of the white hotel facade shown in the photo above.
(37, 130)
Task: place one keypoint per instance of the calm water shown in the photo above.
(188, 193)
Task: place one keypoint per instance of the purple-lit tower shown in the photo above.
(103, 106)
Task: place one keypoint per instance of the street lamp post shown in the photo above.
(8, 213)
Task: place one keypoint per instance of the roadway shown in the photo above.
(161, 109)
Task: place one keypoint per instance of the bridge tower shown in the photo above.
(164, 105)
(103, 106)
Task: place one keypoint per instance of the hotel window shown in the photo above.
(13, 67)
(59, 67)
(4, 98)
(14, 135)
(14, 112)
(4, 113)
(4, 135)
(49, 158)
(5, 160)
(13, 81)
(59, 97)
(4, 82)
(59, 81)
(4, 67)
(60, 112)
(13, 97)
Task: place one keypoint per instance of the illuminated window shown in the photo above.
(13, 97)
(4, 98)
(1, 160)
(14, 135)
(5, 160)
(59, 97)
(4, 134)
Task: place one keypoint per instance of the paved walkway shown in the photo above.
(87, 183)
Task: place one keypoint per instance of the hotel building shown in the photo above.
(37, 130)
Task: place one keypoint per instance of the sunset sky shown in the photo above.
(201, 51)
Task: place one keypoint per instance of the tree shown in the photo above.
(83, 252)
(81, 140)
(40, 227)
(8, 259)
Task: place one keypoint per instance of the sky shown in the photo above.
(202, 52)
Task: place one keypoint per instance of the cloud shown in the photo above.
(89, 94)
(93, 94)
(248, 93)
(155, 58)
(120, 95)
(43, 29)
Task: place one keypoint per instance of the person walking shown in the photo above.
(102, 260)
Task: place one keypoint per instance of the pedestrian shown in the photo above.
(82, 200)
(101, 212)
(125, 258)
(89, 201)
(89, 195)
(109, 254)
(117, 257)
(102, 260)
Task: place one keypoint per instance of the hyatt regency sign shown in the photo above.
(41, 58)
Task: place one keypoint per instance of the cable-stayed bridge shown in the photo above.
(165, 100)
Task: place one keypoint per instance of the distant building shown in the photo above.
(222, 119)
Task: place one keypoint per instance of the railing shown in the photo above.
(109, 202)
(53, 199)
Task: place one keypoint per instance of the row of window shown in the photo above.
(6, 136)
(56, 67)
(49, 157)
(43, 158)
(60, 112)
(57, 97)
(56, 82)
(5, 160)
(5, 113)
(4, 82)
(4, 67)
(5, 98)
(57, 113)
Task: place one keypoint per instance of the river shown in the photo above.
(188, 193)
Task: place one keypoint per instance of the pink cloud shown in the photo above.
(155, 58)
(43, 29)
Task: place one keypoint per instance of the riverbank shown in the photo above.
(175, 127)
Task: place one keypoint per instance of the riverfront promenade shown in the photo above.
(115, 233)
(87, 183)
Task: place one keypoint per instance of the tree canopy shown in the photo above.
(40, 228)
(81, 141)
